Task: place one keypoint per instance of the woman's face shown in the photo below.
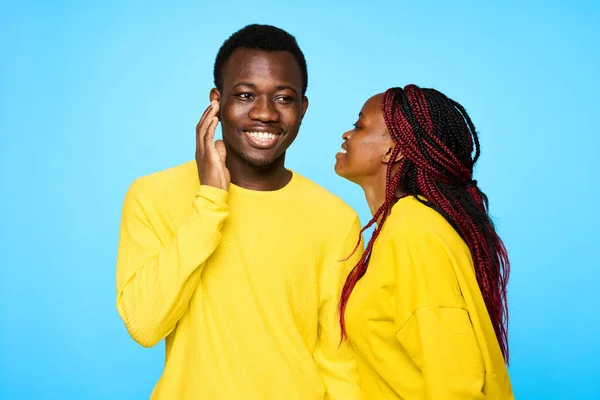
(366, 148)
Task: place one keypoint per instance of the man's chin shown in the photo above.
(259, 160)
(260, 163)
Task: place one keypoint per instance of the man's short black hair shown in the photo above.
(259, 37)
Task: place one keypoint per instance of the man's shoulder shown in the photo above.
(180, 178)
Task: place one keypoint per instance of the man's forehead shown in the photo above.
(249, 65)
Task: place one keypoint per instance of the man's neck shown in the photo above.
(274, 177)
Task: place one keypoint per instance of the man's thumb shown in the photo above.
(220, 146)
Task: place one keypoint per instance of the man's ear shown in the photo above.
(215, 95)
(304, 105)
(385, 158)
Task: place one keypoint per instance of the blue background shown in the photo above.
(94, 95)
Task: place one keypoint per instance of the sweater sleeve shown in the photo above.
(156, 279)
(335, 360)
(434, 326)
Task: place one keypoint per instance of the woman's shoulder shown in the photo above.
(416, 218)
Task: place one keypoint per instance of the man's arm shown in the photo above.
(156, 280)
(336, 361)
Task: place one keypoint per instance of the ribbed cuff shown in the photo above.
(214, 195)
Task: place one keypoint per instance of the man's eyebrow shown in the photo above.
(286, 87)
(252, 85)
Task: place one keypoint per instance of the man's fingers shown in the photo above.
(209, 137)
(205, 113)
(203, 117)
(205, 122)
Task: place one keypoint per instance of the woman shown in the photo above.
(428, 318)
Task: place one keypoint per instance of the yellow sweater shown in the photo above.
(417, 318)
(244, 285)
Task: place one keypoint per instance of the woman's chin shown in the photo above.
(339, 169)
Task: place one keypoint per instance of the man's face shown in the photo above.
(261, 105)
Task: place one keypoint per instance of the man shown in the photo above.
(235, 259)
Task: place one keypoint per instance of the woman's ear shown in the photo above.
(385, 158)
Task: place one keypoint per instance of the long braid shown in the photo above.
(437, 138)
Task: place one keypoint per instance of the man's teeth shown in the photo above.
(343, 151)
(262, 135)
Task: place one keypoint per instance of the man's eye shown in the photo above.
(245, 96)
(284, 99)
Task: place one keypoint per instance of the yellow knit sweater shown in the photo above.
(417, 318)
(244, 286)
